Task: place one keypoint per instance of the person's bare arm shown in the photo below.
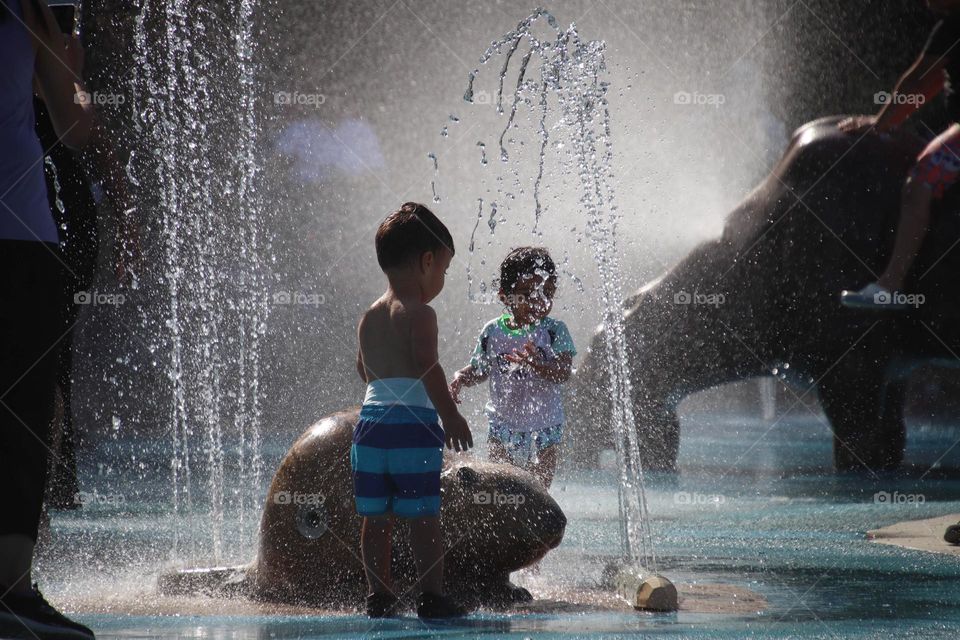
(556, 370)
(466, 377)
(58, 83)
(423, 334)
(923, 78)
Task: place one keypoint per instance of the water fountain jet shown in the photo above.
(571, 73)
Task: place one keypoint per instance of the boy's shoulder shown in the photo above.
(392, 304)
(420, 319)
(420, 310)
(386, 311)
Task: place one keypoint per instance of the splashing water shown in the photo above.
(436, 173)
(566, 75)
(214, 254)
(52, 169)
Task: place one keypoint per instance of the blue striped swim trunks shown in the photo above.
(397, 454)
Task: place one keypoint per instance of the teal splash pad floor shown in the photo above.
(761, 537)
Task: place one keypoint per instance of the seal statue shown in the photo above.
(495, 519)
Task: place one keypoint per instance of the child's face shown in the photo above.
(531, 298)
(433, 272)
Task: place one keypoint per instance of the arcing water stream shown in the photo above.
(562, 83)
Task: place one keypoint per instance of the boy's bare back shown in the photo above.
(398, 333)
(391, 333)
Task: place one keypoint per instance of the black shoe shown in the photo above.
(381, 605)
(952, 534)
(431, 605)
(31, 616)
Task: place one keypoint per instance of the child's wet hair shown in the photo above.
(408, 233)
(525, 261)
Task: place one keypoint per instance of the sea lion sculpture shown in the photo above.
(495, 519)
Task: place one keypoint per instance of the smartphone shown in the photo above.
(67, 15)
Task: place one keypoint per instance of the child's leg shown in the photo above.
(375, 539)
(937, 168)
(546, 465)
(497, 452)
(427, 545)
(911, 231)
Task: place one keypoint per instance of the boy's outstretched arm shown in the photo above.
(423, 334)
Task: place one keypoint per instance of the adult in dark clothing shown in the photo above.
(32, 51)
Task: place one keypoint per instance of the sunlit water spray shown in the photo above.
(562, 83)
(200, 171)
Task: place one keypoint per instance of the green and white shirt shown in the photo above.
(519, 399)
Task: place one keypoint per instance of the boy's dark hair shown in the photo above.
(408, 233)
(523, 261)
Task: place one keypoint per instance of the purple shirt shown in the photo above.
(24, 208)
(518, 399)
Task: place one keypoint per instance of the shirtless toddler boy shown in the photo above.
(397, 447)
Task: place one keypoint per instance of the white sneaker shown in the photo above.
(873, 297)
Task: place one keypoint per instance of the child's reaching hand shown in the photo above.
(556, 369)
(529, 356)
(857, 124)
